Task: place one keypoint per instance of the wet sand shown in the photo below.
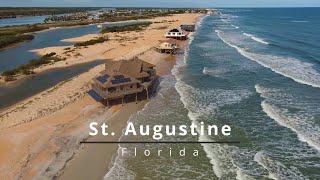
(94, 160)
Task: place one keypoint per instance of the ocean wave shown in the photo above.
(301, 72)
(218, 154)
(299, 21)
(202, 102)
(237, 27)
(229, 70)
(306, 132)
(260, 40)
(226, 28)
(229, 16)
(196, 102)
(118, 170)
(276, 169)
(226, 20)
(299, 123)
(199, 23)
(243, 176)
(214, 71)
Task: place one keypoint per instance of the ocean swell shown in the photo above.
(298, 123)
(301, 72)
(260, 40)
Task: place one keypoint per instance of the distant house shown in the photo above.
(123, 78)
(176, 33)
(188, 27)
(210, 12)
(167, 46)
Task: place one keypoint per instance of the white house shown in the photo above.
(176, 33)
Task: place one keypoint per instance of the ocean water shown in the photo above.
(257, 70)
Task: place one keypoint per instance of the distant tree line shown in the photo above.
(11, 12)
(131, 27)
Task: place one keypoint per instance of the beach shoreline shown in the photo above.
(60, 115)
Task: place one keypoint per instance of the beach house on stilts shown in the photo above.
(168, 46)
(123, 80)
(176, 33)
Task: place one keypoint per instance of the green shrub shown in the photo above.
(48, 55)
(33, 63)
(12, 39)
(131, 27)
(9, 72)
(91, 42)
(9, 78)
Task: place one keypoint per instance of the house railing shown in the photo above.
(117, 93)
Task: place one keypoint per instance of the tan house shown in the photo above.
(167, 46)
(123, 78)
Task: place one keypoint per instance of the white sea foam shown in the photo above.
(301, 124)
(276, 169)
(226, 28)
(306, 132)
(237, 27)
(118, 170)
(199, 23)
(226, 20)
(301, 72)
(299, 21)
(216, 72)
(196, 101)
(243, 176)
(260, 40)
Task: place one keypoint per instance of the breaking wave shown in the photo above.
(299, 21)
(215, 72)
(276, 169)
(301, 123)
(301, 72)
(196, 102)
(237, 27)
(260, 40)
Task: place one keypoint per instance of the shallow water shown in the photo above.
(15, 56)
(24, 88)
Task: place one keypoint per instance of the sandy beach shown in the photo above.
(39, 137)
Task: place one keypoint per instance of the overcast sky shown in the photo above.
(161, 3)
